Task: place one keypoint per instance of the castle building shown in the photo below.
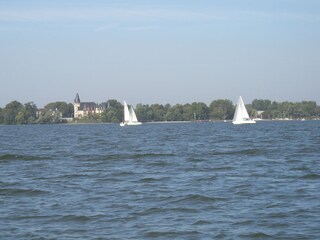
(84, 109)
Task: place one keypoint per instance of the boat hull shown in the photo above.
(243, 122)
(122, 124)
(134, 123)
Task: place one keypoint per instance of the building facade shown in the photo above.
(84, 109)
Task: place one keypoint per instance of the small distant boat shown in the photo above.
(241, 115)
(130, 118)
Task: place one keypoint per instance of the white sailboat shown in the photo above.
(130, 117)
(241, 115)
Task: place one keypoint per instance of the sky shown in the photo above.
(159, 51)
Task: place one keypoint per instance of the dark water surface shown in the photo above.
(161, 181)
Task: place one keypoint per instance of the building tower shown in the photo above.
(76, 106)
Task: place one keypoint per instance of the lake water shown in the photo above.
(161, 181)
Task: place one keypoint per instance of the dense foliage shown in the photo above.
(274, 110)
(221, 109)
(113, 113)
(17, 113)
(55, 112)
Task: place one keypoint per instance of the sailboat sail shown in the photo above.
(241, 115)
(126, 112)
(133, 115)
(130, 117)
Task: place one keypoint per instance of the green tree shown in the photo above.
(30, 113)
(261, 104)
(310, 108)
(53, 113)
(144, 112)
(112, 103)
(1, 116)
(113, 112)
(254, 113)
(196, 111)
(111, 116)
(70, 111)
(21, 117)
(175, 113)
(91, 118)
(158, 112)
(251, 111)
(221, 109)
(11, 111)
(64, 108)
(285, 109)
(317, 112)
(187, 113)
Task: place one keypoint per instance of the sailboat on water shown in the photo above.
(241, 115)
(130, 117)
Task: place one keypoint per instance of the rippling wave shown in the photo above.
(161, 181)
(11, 157)
(19, 192)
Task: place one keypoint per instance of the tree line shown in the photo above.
(28, 113)
(221, 109)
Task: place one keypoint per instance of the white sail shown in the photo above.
(126, 112)
(130, 117)
(133, 115)
(241, 115)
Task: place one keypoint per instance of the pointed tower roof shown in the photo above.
(77, 99)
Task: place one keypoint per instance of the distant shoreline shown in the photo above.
(165, 122)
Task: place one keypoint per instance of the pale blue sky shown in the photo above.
(159, 51)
